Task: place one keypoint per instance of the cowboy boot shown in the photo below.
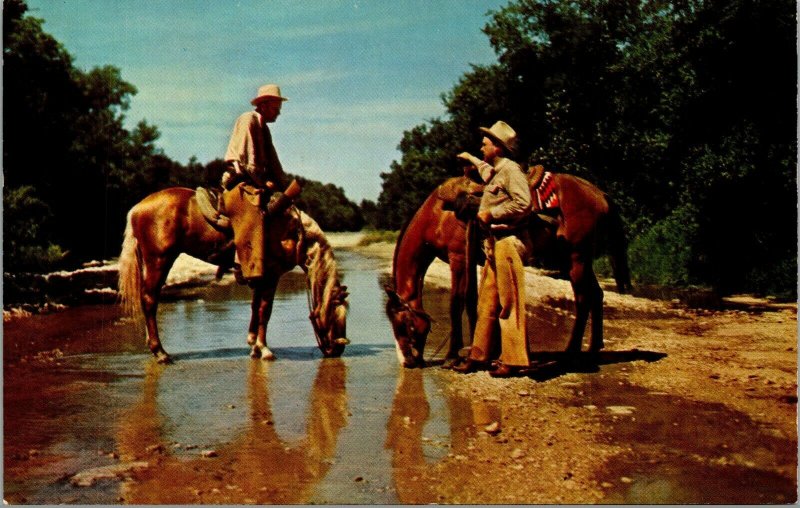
(503, 370)
(471, 365)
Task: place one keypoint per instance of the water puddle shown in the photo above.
(216, 426)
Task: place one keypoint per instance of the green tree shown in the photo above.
(676, 108)
(328, 205)
(68, 146)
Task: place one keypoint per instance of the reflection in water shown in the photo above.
(413, 462)
(257, 465)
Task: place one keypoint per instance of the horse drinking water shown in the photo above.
(169, 222)
(585, 217)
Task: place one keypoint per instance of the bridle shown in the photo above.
(408, 322)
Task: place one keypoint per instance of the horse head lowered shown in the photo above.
(327, 296)
(410, 326)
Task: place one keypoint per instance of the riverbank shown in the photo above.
(685, 406)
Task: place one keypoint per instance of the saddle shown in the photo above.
(243, 219)
(209, 201)
(462, 195)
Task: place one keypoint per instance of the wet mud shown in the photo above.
(89, 417)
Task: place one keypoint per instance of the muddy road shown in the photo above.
(683, 406)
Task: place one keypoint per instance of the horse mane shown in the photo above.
(404, 230)
(321, 268)
(397, 248)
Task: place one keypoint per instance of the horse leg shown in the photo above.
(252, 330)
(596, 293)
(263, 307)
(458, 289)
(580, 271)
(156, 269)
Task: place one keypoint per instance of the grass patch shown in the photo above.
(378, 236)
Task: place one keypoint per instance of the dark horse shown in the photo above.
(572, 239)
(169, 222)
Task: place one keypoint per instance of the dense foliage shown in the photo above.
(71, 168)
(684, 111)
(329, 206)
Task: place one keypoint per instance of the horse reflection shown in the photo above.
(256, 467)
(415, 475)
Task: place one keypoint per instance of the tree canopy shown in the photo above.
(685, 112)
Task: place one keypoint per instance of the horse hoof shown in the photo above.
(268, 356)
(255, 353)
(596, 348)
(164, 358)
(449, 363)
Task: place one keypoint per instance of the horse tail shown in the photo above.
(618, 249)
(130, 272)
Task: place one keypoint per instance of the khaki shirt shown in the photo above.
(251, 145)
(506, 194)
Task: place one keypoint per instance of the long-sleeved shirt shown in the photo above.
(506, 195)
(251, 145)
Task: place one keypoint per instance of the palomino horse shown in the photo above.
(169, 222)
(585, 216)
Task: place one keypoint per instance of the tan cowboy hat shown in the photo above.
(502, 133)
(268, 92)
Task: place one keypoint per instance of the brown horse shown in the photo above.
(585, 216)
(169, 222)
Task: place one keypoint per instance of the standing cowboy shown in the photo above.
(506, 201)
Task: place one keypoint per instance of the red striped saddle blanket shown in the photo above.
(544, 193)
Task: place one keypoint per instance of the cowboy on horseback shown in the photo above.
(506, 201)
(251, 156)
(251, 159)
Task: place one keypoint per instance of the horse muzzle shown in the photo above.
(413, 359)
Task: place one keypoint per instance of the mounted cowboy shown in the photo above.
(251, 154)
(251, 159)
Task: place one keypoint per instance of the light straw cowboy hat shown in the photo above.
(503, 134)
(268, 92)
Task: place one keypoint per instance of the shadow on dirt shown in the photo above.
(549, 365)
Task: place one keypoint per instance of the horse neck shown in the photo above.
(320, 266)
(412, 255)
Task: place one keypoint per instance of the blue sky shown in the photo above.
(357, 73)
